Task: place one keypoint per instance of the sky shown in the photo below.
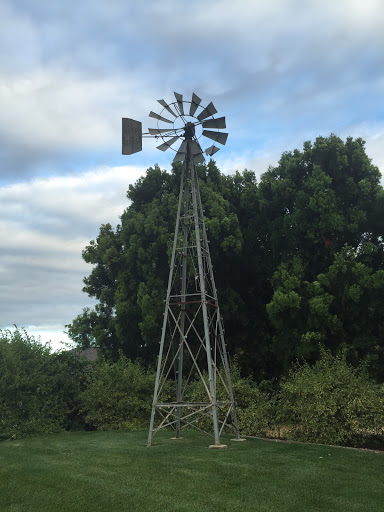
(281, 72)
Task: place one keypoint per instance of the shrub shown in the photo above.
(332, 402)
(253, 407)
(118, 395)
(38, 390)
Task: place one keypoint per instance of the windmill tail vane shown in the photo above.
(192, 352)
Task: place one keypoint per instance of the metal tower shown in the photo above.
(193, 385)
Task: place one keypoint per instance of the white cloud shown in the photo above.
(47, 110)
(56, 204)
(77, 68)
(45, 224)
(48, 334)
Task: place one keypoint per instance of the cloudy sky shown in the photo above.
(281, 72)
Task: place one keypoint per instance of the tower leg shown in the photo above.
(179, 395)
(219, 321)
(212, 385)
(164, 328)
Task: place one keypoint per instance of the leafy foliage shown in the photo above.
(341, 308)
(118, 395)
(329, 401)
(332, 402)
(254, 408)
(298, 260)
(38, 391)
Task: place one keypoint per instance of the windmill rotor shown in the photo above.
(179, 121)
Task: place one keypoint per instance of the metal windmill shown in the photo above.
(192, 346)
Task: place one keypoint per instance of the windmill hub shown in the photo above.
(189, 131)
(179, 126)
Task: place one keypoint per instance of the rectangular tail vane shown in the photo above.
(132, 140)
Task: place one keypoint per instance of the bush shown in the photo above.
(118, 395)
(253, 407)
(332, 403)
(38, 390)
(329, 402)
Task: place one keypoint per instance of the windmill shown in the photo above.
(192, 352)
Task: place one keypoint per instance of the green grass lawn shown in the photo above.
(115, 471)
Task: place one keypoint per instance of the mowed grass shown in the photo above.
(115, 471)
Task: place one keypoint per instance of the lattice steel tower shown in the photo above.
(192, 351)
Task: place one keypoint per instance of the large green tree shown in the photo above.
(131, 262)
(277, 247)
(324, 230)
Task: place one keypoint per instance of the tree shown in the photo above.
(317, 200)
(341, 308)
(326, 206)
(131, 263)
(275, 246)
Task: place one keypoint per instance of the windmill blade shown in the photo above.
(167, 144)
(167, 107)
(219, 137)
(196, 153)
(194, 147)
(181, 154)
(157, 131)
(208, 111)
(214, 123)
(156, 116)
(179, 99)
(199, 158)
(211, 150)
(194, 104)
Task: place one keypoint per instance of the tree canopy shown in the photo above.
(298, 261)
